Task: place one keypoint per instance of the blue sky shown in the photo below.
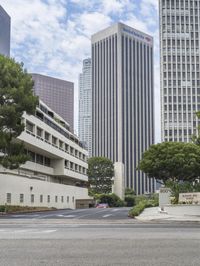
(53, 36)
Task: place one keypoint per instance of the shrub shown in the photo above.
(2, 208)
(112, 200)
(137, 209)
(17, 208)
(142, 203)
(129, 192)
(130, 200)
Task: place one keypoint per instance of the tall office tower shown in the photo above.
(85, 105)
(57, 94)
(4, 32)
(122, 108)
(180, 71)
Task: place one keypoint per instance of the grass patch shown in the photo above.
(20, 209)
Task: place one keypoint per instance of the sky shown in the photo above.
(52, 37)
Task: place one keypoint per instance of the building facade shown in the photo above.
(122, 110)
(85, 105)
(57, 94)
(4, 32)
(180, 68)
(56, 174)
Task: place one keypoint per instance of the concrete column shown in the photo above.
(119, 180)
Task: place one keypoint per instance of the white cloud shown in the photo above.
(90, 23)
(112, 6)
(51, 39)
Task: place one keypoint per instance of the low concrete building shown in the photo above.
(56, 174)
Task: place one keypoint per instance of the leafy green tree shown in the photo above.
(100, 173)
(176, 161)
(196, 138)
(16, 97)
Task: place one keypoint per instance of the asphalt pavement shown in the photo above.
(96, 237)
(68, 214)
(33, 244)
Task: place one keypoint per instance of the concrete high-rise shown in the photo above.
(57, 94)
(122, 108)
(180, 68)
(4, 32)
(85, 105)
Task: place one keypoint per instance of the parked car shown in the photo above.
(102, 205)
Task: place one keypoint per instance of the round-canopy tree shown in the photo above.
(172, 161)
(100, 173)
(16, 97)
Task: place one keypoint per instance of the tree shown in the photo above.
(196, 138)
(176, 161)
(16, 97)
(100, 173)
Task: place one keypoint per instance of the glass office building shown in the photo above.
(4, 32)
(180, 68)
(57, 94)
(85, 105)
(122, 110)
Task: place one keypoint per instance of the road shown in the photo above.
(95, 242)
(92, 214)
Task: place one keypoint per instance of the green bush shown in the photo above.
(129, 200)
(2, 208)
(112, 200)
(129, 192)
(17, 208)
(137, 209)
(142, 202)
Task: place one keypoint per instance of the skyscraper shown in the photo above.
(85, 104)
(122, 110)
(4, 32)
(180, 68)
(57, 94)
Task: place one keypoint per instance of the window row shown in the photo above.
(180, 67)
(181, 99)
(53, 125)
(181, 59)
(176, 43)
(179, 82)
(38, 158)
(171, 132)
(180, 107)
(182, 91)
(193, 123)
(178, 3)
(54, 141)
(41, 198)
(75, 167)
(177, 139)
(180, 17)
(182, 75)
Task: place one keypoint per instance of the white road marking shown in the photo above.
(115, 210)
(27, 231)
(48, 231)
(107, 215)
(66, 216)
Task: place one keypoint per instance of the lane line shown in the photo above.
(107, 215)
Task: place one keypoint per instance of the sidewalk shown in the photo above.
(171, 213)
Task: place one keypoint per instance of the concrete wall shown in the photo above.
(17, 185)
(185, 210)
